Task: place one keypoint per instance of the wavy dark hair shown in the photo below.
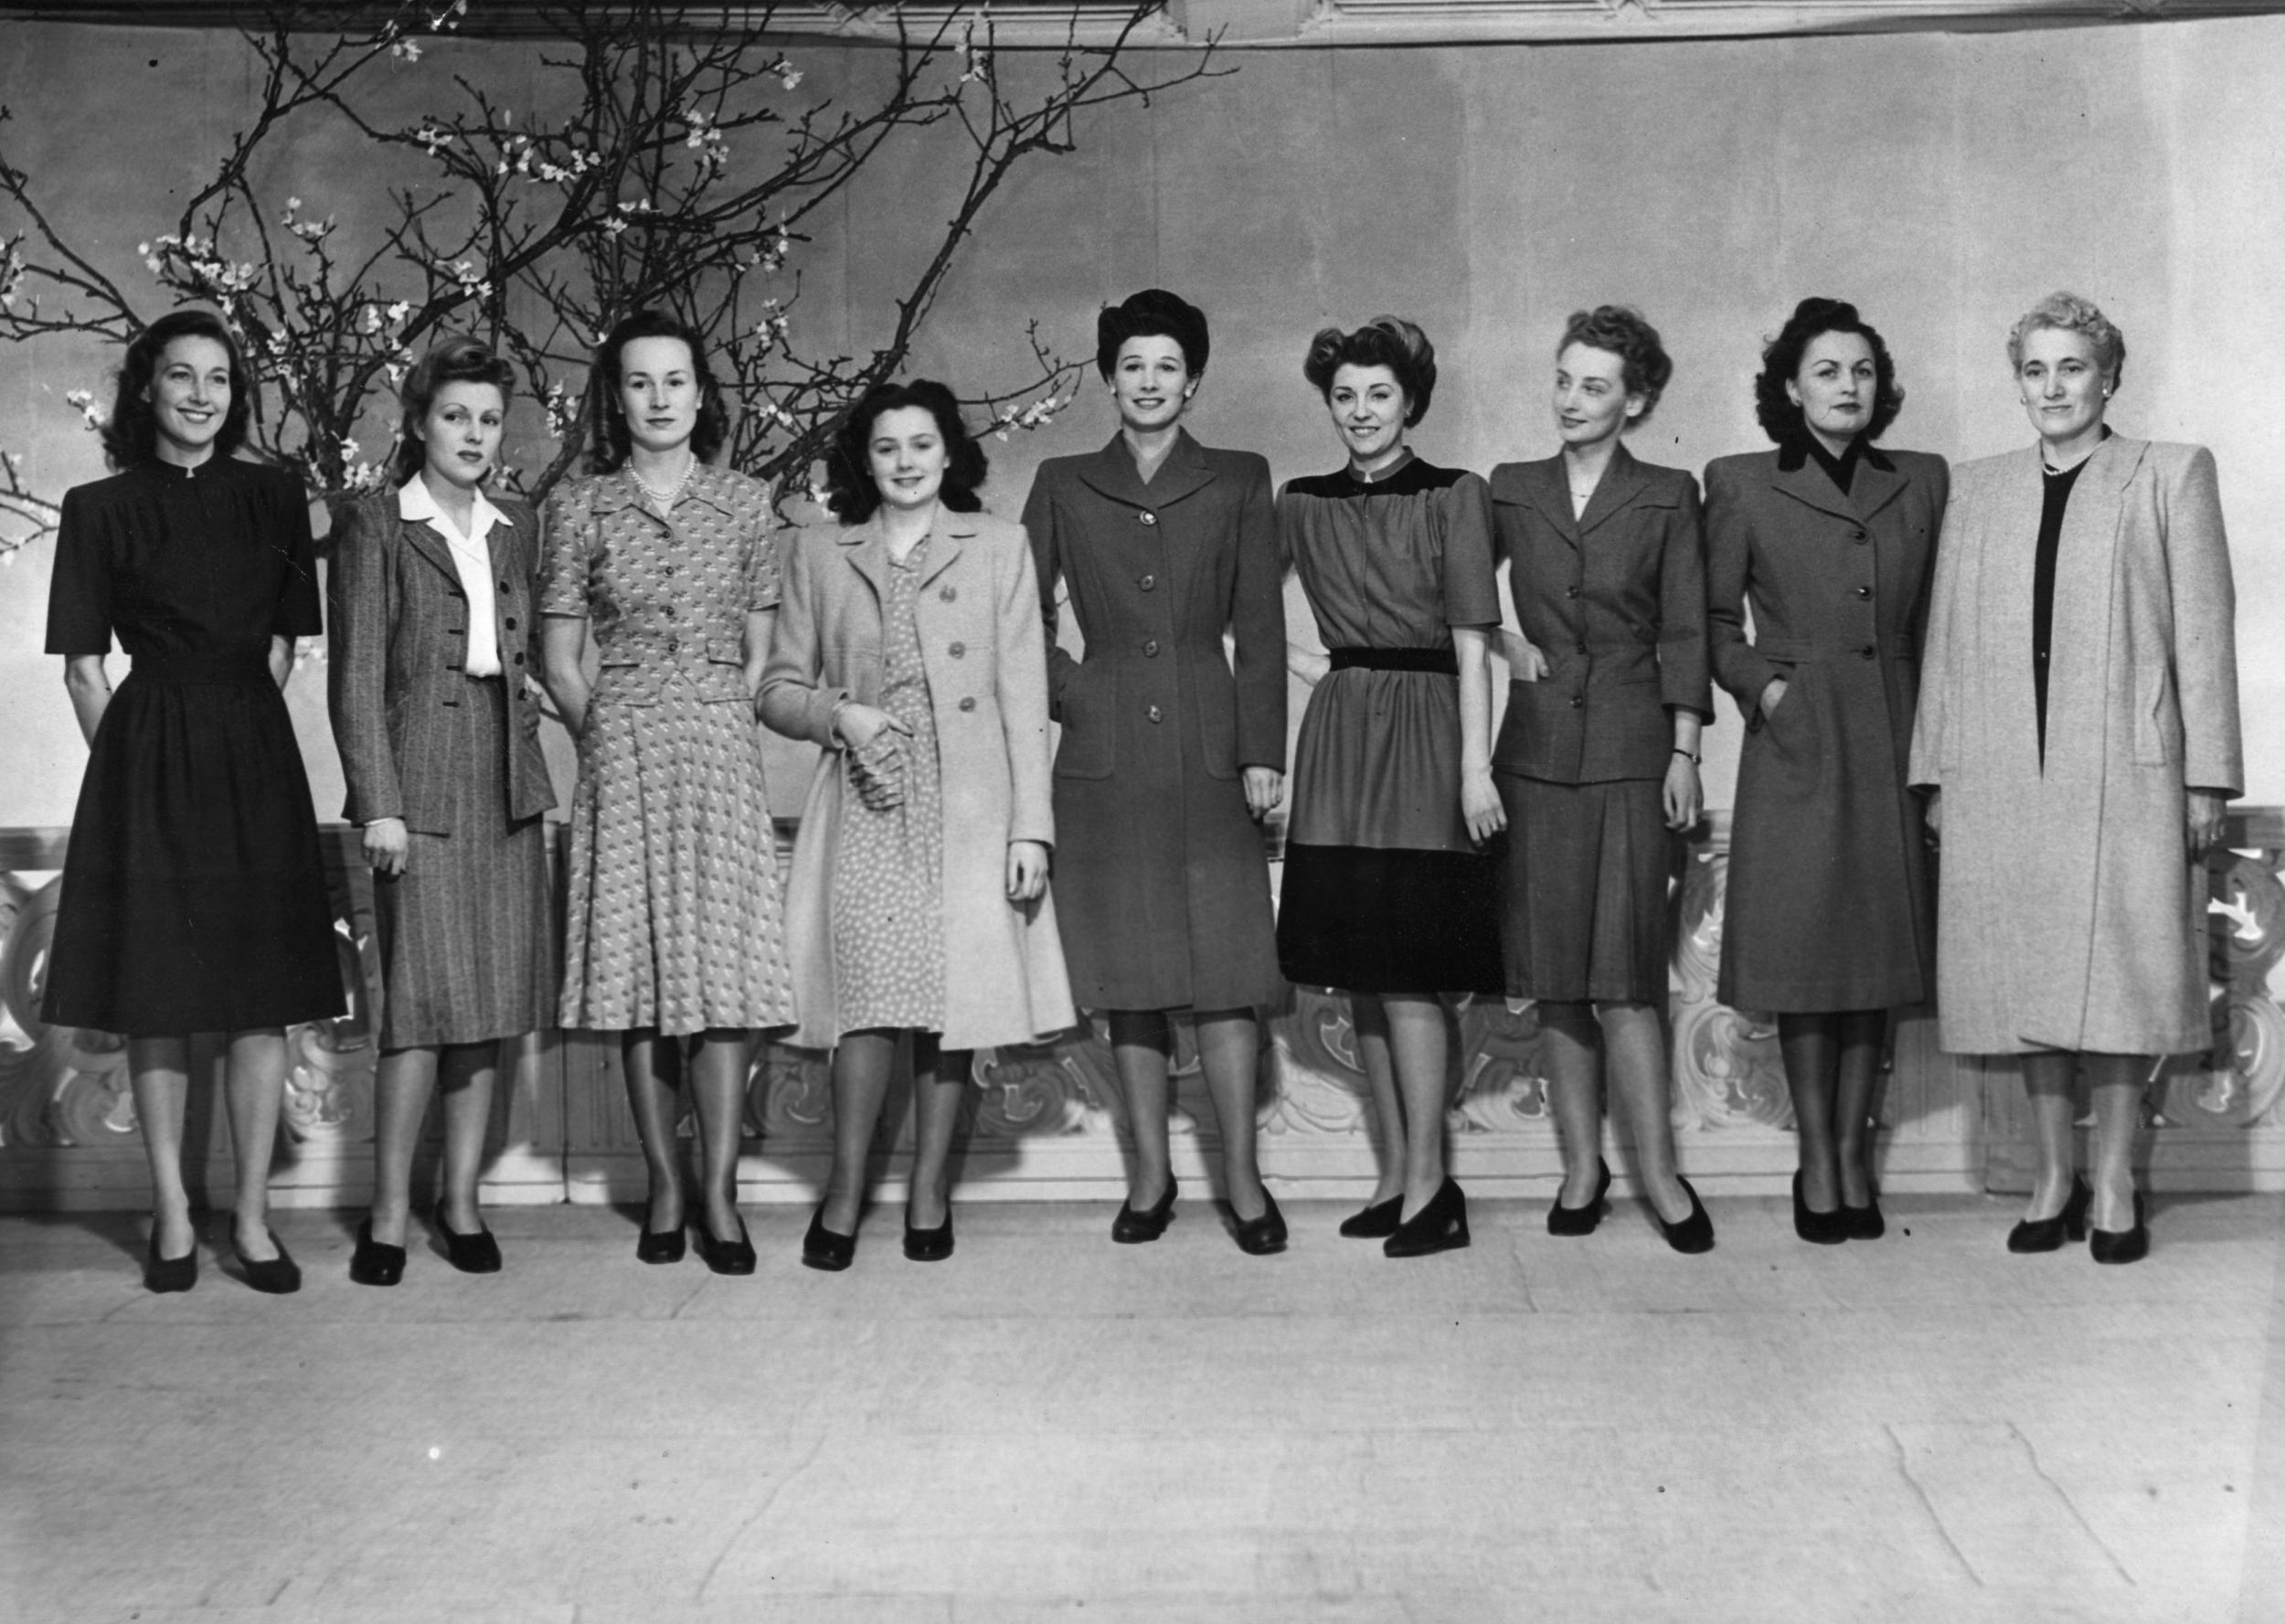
(455, 360)
(1781, 419)
(1621, 330)
(131, 436)
(612, 444)
(849, 488)
(1385, 341)
(1151, 314)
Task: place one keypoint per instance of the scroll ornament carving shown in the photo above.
(2239, 1083)
(1727, 1072)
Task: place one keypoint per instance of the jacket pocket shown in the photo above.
(722, 679)
(1090, 710)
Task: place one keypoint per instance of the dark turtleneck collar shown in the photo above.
(1805, 448)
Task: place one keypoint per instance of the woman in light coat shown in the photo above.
(2078, 737)
(910, 648)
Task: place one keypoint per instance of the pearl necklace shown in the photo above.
(664, 499)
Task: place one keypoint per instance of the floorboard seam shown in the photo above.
(739, 1534)
(2070, 1505)
(1936, 1521)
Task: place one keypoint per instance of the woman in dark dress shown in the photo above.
(1167, 758)
(1597, 759)
(431, 609)
(194, 891)
(1828, 921)
(1389, 895)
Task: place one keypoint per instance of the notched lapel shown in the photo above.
(422, 537)
(1542, 486)
(944, 546)
(1809, 485)
(1110, 472)
(1622, 482)
(866, 550)
(1874, 487)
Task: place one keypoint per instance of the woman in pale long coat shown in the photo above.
(910, 648)
(2078, 737)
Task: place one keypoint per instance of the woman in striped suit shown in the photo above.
(438, 729)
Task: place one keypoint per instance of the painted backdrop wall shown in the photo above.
(1943, 183)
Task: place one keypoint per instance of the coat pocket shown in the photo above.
(2157, 719)
(1216, 690)
(1090, 709)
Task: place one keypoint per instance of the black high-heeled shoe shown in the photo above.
(725, 1257)
(1695, 1234)
(822, 1248)
(659, 1246)
(2121, 1245)
(2046, 1234)
(279, 1277)
(1262, 1237)
(1439, 1226)
(1376, 1222)
(169, 1274)
(929, 1246)
(1820, 1229)
(372, 1263)
(1863, 1223)
(471, 1254)
(1131, 1229)
(1581, 1220)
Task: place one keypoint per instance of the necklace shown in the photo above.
(664, 498)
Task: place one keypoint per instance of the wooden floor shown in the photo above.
(1051, 1426)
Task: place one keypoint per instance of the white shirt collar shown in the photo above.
(417, 504)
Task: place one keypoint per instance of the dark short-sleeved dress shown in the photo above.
(674, 917)
(194, 892)
(1384, 891)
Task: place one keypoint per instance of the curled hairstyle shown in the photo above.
(1153, 313)
(1780, 363)
(131, 436)
(613, 443)
(2068, 312)
(460, 360)
(849, 488)
(1620, 330)
(1385, 341)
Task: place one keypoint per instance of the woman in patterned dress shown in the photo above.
(430, 594)
(912, 653)
(1389, 895)
(194, 894)
(673, 930)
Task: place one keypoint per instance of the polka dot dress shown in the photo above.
(888, 884)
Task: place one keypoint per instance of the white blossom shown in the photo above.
(405, 51)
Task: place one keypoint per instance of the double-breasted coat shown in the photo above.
(2071, 916)
(1162, 878)
(1828, 904)
(978, 615)
(1615, 599)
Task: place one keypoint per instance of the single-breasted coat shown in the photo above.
(1162, 879)
(2071, 916)
(981, 647)
(398, 636)
(1615, 600)
(1828, 904)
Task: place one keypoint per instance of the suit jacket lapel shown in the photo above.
(1110, 472)
(1545, 487)
(422, 537)
(1874, 487)
(1621, 480)
(867, 553)
(944, 544)
(1809, 484)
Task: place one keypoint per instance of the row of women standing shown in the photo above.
(910, 646)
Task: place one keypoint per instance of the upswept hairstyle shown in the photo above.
(612, 443)
(849, 488)
(452, 360)
(1780, 360)
(131, 436)
(2068, 312)
(1385, 341)
(1153, 313)
(1620, 330)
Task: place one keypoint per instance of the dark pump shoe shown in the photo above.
(929, 1246)
(1131, 1229)
(280, 1276)
(725, 1257)
(2121, 1245)
(1863, 1223)
(1262, 1237)
(822, 1248)
(169, 1274)
(471, 1254)
(1439, 1226)
(1376, 1222)
(1581, 1220)
(2046, 1234)
(1820, 1229)
(1695, 1234)
(373, 1264)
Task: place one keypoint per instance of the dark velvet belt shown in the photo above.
(1439, 660)
(200, 668)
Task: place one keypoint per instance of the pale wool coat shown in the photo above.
(2071, 916)
(984, 652)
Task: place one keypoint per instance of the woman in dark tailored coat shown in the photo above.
(438, 723)
(1597, 761)
(1828, 921)
(1168, 757)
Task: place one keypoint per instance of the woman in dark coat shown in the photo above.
(1168, 759)
(1597, 762)
(1828, 923)
(193, 890)
(439, 729)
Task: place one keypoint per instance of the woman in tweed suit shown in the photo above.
(439, 730)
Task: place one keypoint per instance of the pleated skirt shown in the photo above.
(1584, 889)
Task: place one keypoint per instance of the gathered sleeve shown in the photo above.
(1472, 586)
(1684, 675)
(764, 583)
(567, 538)
(79, 585)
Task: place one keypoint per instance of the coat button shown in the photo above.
(1582, 648)
(1148, 583)
(968, 705)
(1863, 591)
(1150, 518)
(511, 623)
(1571, 591)
(1868, 650)
(519, 659)
(1578, 701)
(1150, 648)
(1155, 714)
(949, 593)
(504, 586)
(957, 650)
(1858, 536)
